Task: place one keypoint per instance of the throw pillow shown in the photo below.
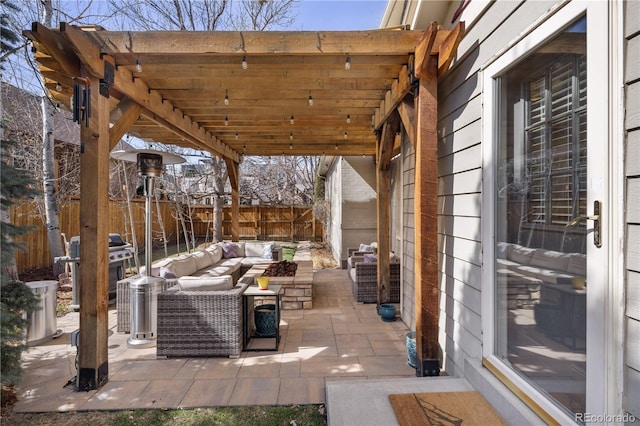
(167, 272)
(370, 258)
(365, 247)
(266, 251)
(229, 250)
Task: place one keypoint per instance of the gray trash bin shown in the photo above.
(43, 322)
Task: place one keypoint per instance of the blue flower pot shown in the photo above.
(411, 348)
(387, 312)
(265, 319)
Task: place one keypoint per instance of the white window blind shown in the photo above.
(555, 135)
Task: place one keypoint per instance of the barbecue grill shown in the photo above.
(119, 252)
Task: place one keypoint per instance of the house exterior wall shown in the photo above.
(460, 200)
(351, 191)
(359, 209)
(408, 289)
(460, 178)
(632, 176)
(332, 195)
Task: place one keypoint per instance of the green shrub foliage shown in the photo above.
(16, 298)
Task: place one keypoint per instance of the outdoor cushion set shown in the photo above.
(525, 269)
(362, 266)
(199, 312)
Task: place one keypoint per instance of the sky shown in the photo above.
(338, 15)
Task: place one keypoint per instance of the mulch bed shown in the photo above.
(281, 269)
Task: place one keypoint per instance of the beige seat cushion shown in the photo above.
(205, 283)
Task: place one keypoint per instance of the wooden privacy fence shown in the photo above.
(292, 223)
(277, 223)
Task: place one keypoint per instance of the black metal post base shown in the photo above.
(427, 367)
(88, 380)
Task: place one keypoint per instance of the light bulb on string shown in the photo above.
(226, 121)
(226, 97)
(290, 136)
(345, 134)
(347, 63)
(336, 147)
(138, 64)
(244, 62)
(58, 86)
(236, 135)
(292, 120)
(310, 100)
(348, 119)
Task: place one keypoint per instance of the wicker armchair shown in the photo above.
(364, 280)
(200, 323)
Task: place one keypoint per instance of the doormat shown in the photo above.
(443, 408)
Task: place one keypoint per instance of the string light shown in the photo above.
(290, 146)
(292, 120)
(244, 63)
(348, 119)
(138, 64)
(347, 63)
(290, 136)
(336, 147)
(226, 97)
(244, 147)
(310, 100)
(345, 134)
(226, 121)
(236, 135)
(58, 86)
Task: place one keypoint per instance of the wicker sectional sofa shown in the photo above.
(200, 323)
(363, 271)
(200, 306)
(525, 269)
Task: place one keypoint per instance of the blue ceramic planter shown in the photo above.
(387, 312)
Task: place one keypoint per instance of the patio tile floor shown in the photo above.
(336, 340)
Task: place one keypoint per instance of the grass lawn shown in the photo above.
(295, 415)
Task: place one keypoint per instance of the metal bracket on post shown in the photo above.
(427, 368)
(107, 82)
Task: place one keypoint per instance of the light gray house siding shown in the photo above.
(632, 166)
(408, 236)
(460, 177)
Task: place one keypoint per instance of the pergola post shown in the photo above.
(426, 224)
(93, 365)
(383, 201)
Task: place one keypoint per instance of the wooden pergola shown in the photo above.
(250, 93)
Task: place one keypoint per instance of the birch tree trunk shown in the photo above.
(219, 180)
(52, 218)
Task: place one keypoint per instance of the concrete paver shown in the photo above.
(338, 340)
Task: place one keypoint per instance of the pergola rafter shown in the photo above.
(177, 96)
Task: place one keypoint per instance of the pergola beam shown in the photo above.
(375, 42)
(434, 41)
(122, 116)
(93, 58)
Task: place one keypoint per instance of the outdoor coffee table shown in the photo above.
(249, 335)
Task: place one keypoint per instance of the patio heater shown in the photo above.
(144, 289)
